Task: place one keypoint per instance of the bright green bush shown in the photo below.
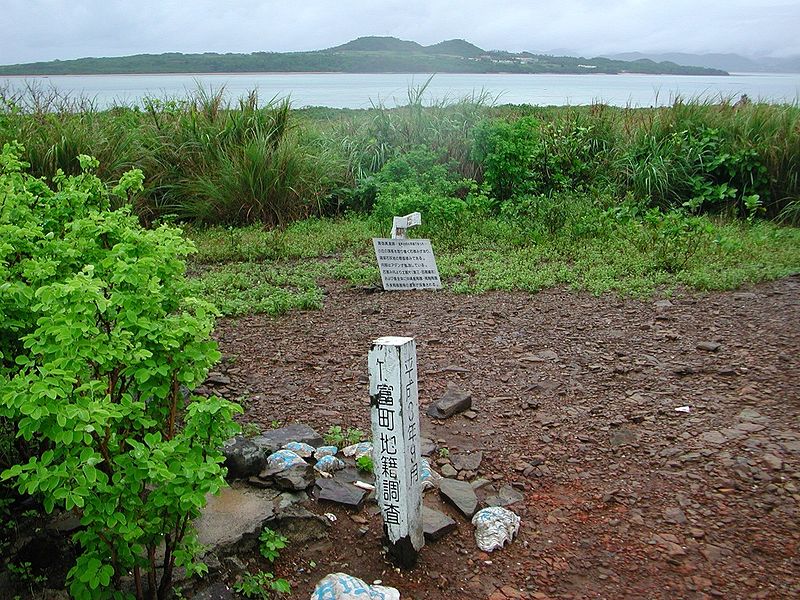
(101, 344)
(531, 157)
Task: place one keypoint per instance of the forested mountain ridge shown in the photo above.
(363, 55)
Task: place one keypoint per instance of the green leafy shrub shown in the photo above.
(261, 585)
(100, 345)
(532, 157)
(336, 436)
(269, 544)
(674, 238)
(365, 464)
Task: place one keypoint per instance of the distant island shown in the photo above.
(362, 55)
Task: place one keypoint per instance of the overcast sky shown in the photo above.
(33, 30)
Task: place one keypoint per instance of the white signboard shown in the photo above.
(407, 264)
(400, 224)
(396, 444)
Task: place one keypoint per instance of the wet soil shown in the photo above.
(576, 398)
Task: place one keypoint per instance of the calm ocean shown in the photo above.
(344, 90)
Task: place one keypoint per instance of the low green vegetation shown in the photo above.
(100, 347)
(270, 543)
(341, 438)
(103, 335)
(261, 585)
(365, 464)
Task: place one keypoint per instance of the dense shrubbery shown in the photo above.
(211, 162)
(100, 344)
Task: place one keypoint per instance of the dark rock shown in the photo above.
(66, 522)
(243, 458)
(275, 439)
(296, 478)
(300, 525)
(460, 494)
(467, 461)
(333, 490)
(506, 496)
(436, 524)
(675, 516)
(215, 378)
(215, 591)
(623, 437)
(453, 402)
(428, 446)
(708, 346)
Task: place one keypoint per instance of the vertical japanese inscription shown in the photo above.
(395, 429)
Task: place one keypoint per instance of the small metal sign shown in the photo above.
(407, 264)
(400, 224)
(394, 403)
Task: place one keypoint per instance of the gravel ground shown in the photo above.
(575, 400)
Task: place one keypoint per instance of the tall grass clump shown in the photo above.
(220, 164)
(736, 159)
(445, 126)
(56, 128)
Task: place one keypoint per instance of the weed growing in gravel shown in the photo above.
(269, 544)
(260, 586)
(336, 436)
(365, 464)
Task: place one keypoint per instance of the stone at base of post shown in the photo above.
(402, 553)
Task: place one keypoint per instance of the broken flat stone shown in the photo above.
(436, 524)
(233, 514)
(460, 494)
(453, 402)
(675, 516)
(751, 415)
(428, 446)
(295, 478)
(623, 437)
(708, 346)
(542, 356)
(467, 461)
(243, 458)
(336, 491)
(449, 470)
(713, 437)
(773, 462)
(275, 439)
(505, 497)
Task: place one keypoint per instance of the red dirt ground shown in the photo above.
(627, 498)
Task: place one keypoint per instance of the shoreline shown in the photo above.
(251, 73)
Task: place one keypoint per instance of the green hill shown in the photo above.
(374, 43)
(455, 48)
(363, 55)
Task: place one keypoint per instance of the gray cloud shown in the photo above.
(63, 29)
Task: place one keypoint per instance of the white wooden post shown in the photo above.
(396, 444)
